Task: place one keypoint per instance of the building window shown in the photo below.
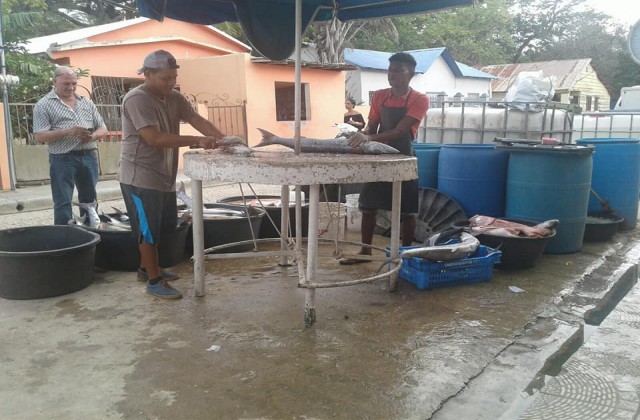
(285, 101)
(588, 104)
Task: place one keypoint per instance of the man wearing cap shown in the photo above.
(151, 115)
(70, 125)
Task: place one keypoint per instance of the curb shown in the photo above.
(506, 387)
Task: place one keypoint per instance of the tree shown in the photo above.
(605, 43)
(474, 35)
(19, 18)
(332, 37)
(541, 23)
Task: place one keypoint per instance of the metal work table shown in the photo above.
(286, 168)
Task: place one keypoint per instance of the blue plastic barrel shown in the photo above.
(551, 182)
(474, 175)
(616, 177)
(427, 155)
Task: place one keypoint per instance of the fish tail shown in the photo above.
(267, 138)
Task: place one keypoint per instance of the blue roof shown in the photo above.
(468, 71)
(377, 60)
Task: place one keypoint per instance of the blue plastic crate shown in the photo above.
(427, 274)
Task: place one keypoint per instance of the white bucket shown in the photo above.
(331, 220)
(354, 216)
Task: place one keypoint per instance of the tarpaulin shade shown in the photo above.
(270, 24)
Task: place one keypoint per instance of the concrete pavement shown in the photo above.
(38, 197)
(467, 352)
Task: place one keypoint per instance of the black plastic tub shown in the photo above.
(45, 261)
(267, 230)
(517, 252)
(222, 231)
(118, 249)
(601, 227)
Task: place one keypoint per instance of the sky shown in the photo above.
(624, 11)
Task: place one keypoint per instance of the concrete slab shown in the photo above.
(464, 352)
(601, 380)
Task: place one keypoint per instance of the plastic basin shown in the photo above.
(517, 252)
(45, 261)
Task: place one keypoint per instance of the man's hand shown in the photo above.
(81, 133)
(357, 139)
(207, 142)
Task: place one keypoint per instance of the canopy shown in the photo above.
(270, 24)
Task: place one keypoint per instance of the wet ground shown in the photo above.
(474, 351)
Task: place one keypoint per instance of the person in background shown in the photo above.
(151, 115)
(352, 116)
(395, 115)
(70, 126)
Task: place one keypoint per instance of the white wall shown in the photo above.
(438, 78)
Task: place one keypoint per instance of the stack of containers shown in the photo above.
(427, 155)
(616, 177)
(551, 182)
(474, 175)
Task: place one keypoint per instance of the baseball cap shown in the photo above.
(158, 60)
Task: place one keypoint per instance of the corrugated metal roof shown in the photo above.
(566, 72)
(377, 60)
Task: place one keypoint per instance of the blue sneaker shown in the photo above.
(143, 276)
(163, 290)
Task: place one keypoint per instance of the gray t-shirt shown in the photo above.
(141, 164)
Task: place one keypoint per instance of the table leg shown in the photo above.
(198, 237)
(395, 230)
(312, 255)
(284, 224)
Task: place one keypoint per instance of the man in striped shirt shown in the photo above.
(70, 125)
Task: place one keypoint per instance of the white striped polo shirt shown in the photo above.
(50, 113)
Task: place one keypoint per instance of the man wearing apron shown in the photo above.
(394, 118)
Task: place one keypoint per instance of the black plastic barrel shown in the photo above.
(474, 175)
(118, 249)
(222, 231)
(551, 182)
(427, 155)
(267, 230)
(616, 177)
(45, 261)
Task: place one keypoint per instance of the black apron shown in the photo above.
(377, 195)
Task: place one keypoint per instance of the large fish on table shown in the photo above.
(339, 145)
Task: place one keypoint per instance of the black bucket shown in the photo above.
(601, 227)
(45, 261)
(267, 230)
(224, 231)
(517, 252)
(118, 249)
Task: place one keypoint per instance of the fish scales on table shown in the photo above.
(337, 145)
(230, 145)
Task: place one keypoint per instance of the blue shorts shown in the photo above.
(152, 213)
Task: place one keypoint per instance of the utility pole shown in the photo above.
(5, 82)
